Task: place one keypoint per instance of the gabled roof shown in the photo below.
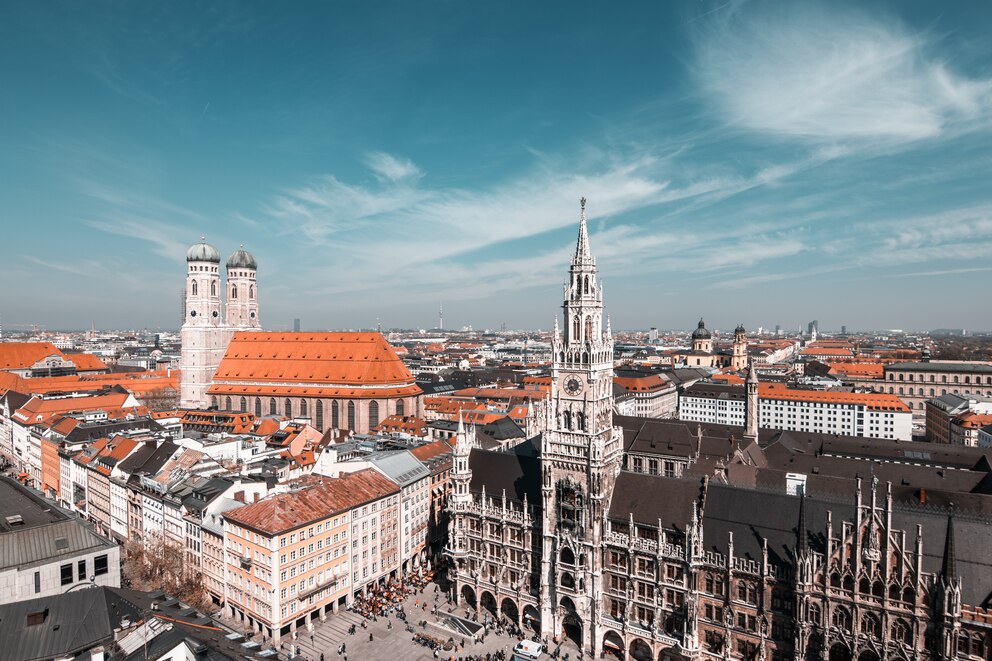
(22, 355)
(400, 466)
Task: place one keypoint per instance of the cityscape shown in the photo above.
(551, 387)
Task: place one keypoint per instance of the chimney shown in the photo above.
(239, 496)
(256, 497)
(96, 654)
(923, 496)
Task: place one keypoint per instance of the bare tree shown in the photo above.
(159, 563)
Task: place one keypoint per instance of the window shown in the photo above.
(319, 414)
(351, 416)
(373, 413)
(288, 408)
(234, 291)
(37, 582)
(81, 570)
(213, 288)
(193, 290)
(243, 405)
(400, 407)
(272, 406)
(334, 415)
(66, 571)
(227, 404)
(100, 565)
(258, 407)
(303, 408)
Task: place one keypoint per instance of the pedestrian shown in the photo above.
(321, 656)
(370, 636)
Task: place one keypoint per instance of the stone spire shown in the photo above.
(582, 252)
(751, 412)
(949, 566)
(802, 536)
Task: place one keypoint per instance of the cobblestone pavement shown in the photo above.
(392, 644)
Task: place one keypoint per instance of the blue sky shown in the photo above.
(755, 162)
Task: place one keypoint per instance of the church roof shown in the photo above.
(701, 333)
(21, 355)
(354, 365)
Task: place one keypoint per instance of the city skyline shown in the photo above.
(749, 163)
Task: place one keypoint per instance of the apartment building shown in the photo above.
(294, 556)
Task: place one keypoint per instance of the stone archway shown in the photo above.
(571, 627)
(840, 652)
(532, 618)
(509, 609)
(488, 602)
(640, 651)
(613, 646)
(868, 655)
(468, 595)
(669, 654)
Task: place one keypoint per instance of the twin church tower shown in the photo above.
(208, 326)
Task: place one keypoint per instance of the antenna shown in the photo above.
(440, 316)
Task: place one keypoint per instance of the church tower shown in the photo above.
(241, 310)
(580, 455)
(203, 327)
(738, 358)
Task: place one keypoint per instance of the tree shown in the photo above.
(159, 563)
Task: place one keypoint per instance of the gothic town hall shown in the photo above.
(661, 540)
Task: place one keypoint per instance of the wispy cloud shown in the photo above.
(391, 168)
(831, 75)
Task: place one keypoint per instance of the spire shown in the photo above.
(949, 567)
(752, 376)
(582, 253)
(802, 541)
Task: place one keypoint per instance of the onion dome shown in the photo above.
(241, 259)
(701, 333)
(202, 252)
(740, 329)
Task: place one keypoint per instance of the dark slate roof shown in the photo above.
(757, 515)
(149, 462)
(503, 429)
(716, 391)
(650, 498)
(68, 623)
(517, 473)
(16, 400)
(91, 431)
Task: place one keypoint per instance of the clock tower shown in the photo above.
(580, 456)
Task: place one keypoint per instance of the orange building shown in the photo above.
(293, 557)
(334, 380)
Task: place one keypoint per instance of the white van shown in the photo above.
(527, 650)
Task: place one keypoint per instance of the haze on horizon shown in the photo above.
(754, 162)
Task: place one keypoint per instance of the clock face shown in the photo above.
(573, 386)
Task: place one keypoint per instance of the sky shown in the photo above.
(748, 162)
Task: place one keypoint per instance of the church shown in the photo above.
(333, 380)
(569, 535)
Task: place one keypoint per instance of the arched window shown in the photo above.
(814, 614)
(244, 405)
(576, 325)
(909, 595)
(213, 288)
(335, 419)
(901, 632)
(234, 291)
(588, 328)
(227, 404)
(580, 418)
(835, 580)
(849, 583)
(193, 290)
(213, 401)
(272, 406)
(303, 408)
(894, 593)
(373, 413)
(258, 407)
(864, 586)
(568, 419)
(251, 292)
(585, 287)
(351, 416)
(400, 407)
(842, 618)
(288, 408)
(870, 625)
(318, 412)
(877, 589)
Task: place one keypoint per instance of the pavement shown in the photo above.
(392, 644)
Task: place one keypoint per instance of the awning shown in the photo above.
(607, 643)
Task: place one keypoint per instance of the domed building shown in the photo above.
(702, 353)
(340, 380)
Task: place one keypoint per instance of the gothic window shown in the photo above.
(877, 589)
(234, 291)
(814, 614)
(351, 416)
(251, 292)
(567, 581)
(835, 580)
(568, 419)
(373, 413)
(213, 402)
(227, 404)
(244, 405)
(400, 407)
(586, 285)
(849, 583)
(335, 419)
(909, 595)
(213, 288)
(575, 328)
(894, 593)
(272, 406)
(288, 408)
(588, 328)
(569, 505)
(567, 556)
(581, 420)
(901, 632)
(842, 618)
(303, 408)
(193, 290)
(864, 586)
(870, 625)
(319, 414)
(258, 407)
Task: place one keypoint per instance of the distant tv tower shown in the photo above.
(440, 316)
(378, 326)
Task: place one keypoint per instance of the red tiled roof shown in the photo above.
(873, 401)
(38, 410)
(287, 511)
(86, 362)
(431, 450)
(327, 360)
(21, 355)
(646, 383)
